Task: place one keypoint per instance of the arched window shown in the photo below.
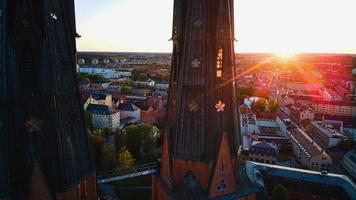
(219, 63)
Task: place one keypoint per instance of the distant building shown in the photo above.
(307, 152)
(162, 86)
(99, 98)
(140, 91)
(81, 61)
(286, 100)
(106, 61)
(129, 110)
(152, 116)
(329, 95)
(350, 162)
(94, 61)
(106, 73)
(277, 140)
(342, 108)
(266, 122)
(324, 134)
(263, 152)
(300, 113)
(148, 82)
(124, 74)
(103, 116)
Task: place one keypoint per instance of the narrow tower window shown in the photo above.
(219, 63)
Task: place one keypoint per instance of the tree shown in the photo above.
(107, 132)
(141, 139)
(120, 139)
(126, 90)
(125, 158)
(88, 119)
(279, 192)
(245, 91)
(273, 105)
(109, 158)
(259, 105)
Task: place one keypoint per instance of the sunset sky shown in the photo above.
(288, 26)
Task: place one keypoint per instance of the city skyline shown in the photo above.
(274, 26)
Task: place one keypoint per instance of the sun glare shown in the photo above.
(285, 55)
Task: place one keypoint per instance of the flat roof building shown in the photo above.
(324, 134)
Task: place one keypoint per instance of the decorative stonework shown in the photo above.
(220, 106)
(33, 125)
(174, 103)
(195, 63)
(53, 16)
(198, 23)
(193, 106)
(221, 187)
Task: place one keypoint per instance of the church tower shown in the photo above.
(44, 146)
(201, 140)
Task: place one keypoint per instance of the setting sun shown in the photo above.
(285, 55)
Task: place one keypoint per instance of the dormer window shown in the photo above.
(219, 63)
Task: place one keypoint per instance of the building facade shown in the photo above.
(104, 116)
(324, 134)
(307, 152)
(106, 73)
(129, 110)
(263, 152)
(44, 145)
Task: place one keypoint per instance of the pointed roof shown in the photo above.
(189, 188)
(223, 178)
(38, 186)
(166, 164)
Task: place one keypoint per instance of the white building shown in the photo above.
(324, 134)
(97, 98)
(81, 61)
(103, 116)
(128, 110)
(94, 61)
(162, 86)
(148, 82)
(334, 108)
(307, 152)
(106, 73)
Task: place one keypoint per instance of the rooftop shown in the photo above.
(351, 155)
(327, 129)
(303, 177)
(264, 148)
(305, 143)
(100, 109)
(127, 107)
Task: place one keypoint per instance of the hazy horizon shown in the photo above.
(273, 26)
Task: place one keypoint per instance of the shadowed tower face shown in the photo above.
(44, 148)
(202, 136)
(202, 102)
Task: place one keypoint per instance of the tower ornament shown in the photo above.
(220, 106)
(33, 125)
(193, 106)
(198, 23)
(196, 63)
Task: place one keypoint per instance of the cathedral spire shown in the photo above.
(202, 130)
